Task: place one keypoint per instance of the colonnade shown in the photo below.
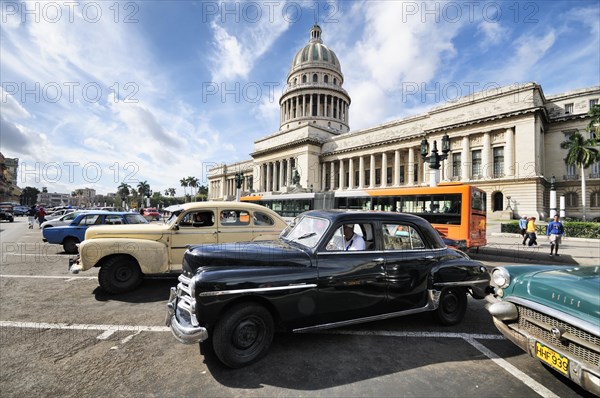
(314, 105)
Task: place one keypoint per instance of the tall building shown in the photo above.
(505, 141)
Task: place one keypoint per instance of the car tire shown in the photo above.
(452, 306)
(119, 274)
(243, 335)
(70, 245)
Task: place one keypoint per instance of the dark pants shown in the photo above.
(532, 238)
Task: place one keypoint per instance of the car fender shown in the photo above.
(151, 256)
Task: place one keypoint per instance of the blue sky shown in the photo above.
(95, 93)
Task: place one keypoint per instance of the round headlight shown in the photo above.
(500, 277)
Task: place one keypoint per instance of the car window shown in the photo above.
(69, 216)
(262, 219)
(113, 219)
(135, 218)
(198, 219)
(351, 237)
(234, 217)
(401, 237)
(90, 219)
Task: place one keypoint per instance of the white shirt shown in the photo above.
(356, 242)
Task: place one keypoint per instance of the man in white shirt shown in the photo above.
(352, 241)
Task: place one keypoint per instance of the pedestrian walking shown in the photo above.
(555, 231)
(41, 215)
(523, 227)
(531, 235)
(31, 216)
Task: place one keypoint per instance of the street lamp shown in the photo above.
(435, 158)
(552, 197)
(239, 181)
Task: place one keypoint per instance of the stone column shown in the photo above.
(332, 175)
(361, 172)
(310, 105)
(318, 104)
(324, 176)
(486, 159)
(372, 172)
(465, 173)
(397, 168)
(351, 173)
(268, 177)
(289, 172)
(411, 166)
(509, 167)
(281, 174)
(342, 175)
(384, 170)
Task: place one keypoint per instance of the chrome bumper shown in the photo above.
(581, 373)
(183, 331)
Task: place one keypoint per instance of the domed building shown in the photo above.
(314, 92)
(504, 141)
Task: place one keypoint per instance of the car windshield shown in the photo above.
(173, 217)
(306, 231)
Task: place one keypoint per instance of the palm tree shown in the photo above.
(193, 183)
(143, 188)
(582, 153)
(172, 192)
(123, 189)
(184, 184)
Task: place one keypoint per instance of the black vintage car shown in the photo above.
(312, 278)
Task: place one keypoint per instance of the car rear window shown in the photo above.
(262, 219)
(234, 217)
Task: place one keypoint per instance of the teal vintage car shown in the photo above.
(553, 314)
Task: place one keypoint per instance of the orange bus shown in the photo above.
(456, 210)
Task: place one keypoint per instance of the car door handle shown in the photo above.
(379, 260)
(428, 258)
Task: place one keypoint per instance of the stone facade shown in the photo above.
(505, 141)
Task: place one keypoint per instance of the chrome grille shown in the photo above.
(575, 341)
(186, 303)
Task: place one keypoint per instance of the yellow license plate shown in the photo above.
(552, 358)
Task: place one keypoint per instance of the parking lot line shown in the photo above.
(68, 326)
(528, 381)
(67, 277)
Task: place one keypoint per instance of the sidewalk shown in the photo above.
(508, 247)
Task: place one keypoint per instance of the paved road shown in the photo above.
(60, 335)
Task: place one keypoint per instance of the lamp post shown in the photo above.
(435, 158)
(239, 180)
(552, 197)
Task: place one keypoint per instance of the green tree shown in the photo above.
(29, 196)
(594, 124)
(123, 190)
(583, 153)
(184, 183)
(192, 183)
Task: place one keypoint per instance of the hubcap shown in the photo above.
(246, 333)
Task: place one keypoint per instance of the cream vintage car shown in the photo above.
(125, 253)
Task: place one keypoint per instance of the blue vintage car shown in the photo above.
(553, 314)
(70, 235)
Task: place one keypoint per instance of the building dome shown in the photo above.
(315, 53)
(314, 94)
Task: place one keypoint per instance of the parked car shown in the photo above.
(70, 235)
(151, 213)
(552, 313)
(7, 212)
(126, 254)
(240, 294)
(58, 213)
(65, 219)
(20, 210)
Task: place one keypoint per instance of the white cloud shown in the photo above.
(493, 33)
(10, 107)
(237, 47)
